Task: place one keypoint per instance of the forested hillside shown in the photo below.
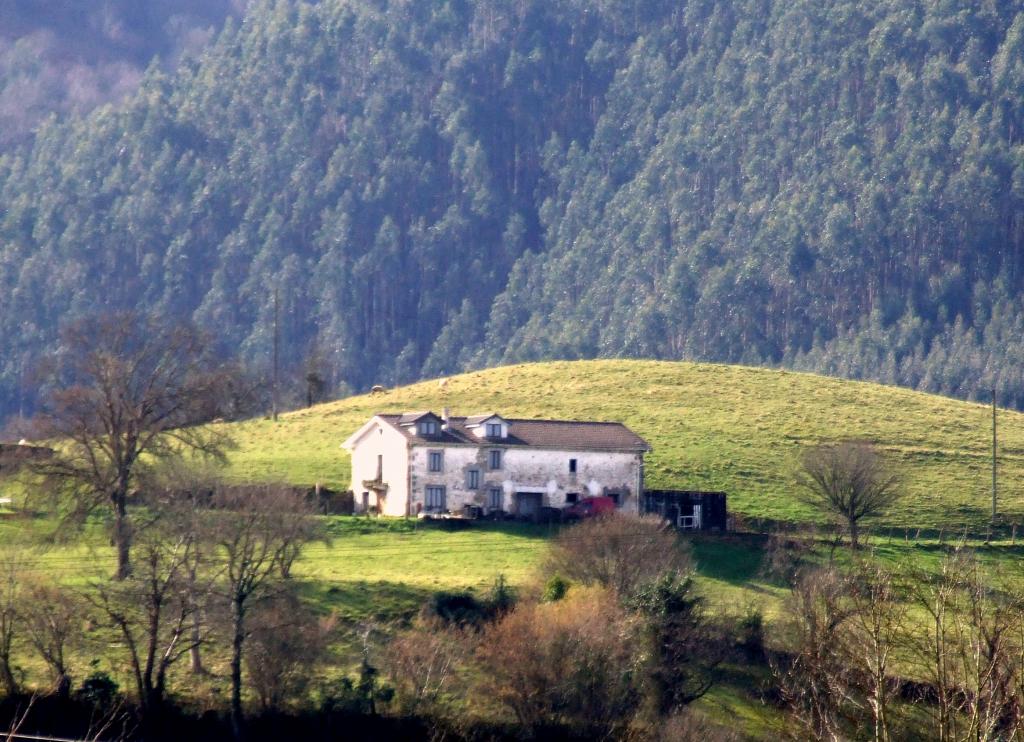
(835, 186)
(58, 56)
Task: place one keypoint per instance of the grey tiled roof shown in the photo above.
(573, 435)
(477, 419)
(411, 417)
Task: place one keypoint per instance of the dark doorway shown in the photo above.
(528, 504)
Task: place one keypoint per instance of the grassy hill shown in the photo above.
(712, 426)
(729, 428)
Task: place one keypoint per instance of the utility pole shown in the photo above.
(993, 454)
(277, 343)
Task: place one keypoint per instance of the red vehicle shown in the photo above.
(589, 507)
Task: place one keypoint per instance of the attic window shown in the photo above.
(494, 430)
(428, 427)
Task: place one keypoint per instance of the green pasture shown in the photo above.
(378, 572)
(730, 428)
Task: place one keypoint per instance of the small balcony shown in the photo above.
(377, 486)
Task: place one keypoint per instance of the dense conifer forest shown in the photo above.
(58, 57)
(434, 186)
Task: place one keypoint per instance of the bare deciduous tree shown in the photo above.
(153, 608)
(424, 661)
(813, 681)
(255, 528)
(129, 389)
(53, 622)
(286, 641)
(620, 552)
(985, 632)
(10, 600)
(850, 481)
(939, 598)
(877, 630)
(971, 651)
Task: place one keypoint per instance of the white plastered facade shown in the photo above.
(529, 476)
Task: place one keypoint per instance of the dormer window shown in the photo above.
(428, 427)
(488, 425)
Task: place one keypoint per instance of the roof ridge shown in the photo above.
(508, 419)
(562, 420)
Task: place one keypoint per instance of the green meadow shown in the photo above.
(729, 428)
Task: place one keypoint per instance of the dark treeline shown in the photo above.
(432, 187)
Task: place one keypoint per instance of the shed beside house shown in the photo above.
(689, 510)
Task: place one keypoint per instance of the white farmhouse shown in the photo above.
(418, 461)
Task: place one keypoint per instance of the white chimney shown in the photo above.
(444, 418)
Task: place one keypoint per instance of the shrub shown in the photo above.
(286, 643)
(502, 598)
(571, 663)
(555, 589)
(620, 552)
(457, 609)
(751, 635)
(100, 691)
(685, 646)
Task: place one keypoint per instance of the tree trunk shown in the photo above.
(10, 685)
(156, 691)
(7, 681)
(195, 656)
(153, 631)
(878, 704)
(238, 637)
(122, 536)
(854, 543)
(63, 684)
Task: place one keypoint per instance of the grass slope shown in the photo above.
(720, 427)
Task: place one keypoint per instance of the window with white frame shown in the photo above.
(435, 461)
(494, 498)
(434, 498)
(494, 459)
(494, 430)
(473, 479)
